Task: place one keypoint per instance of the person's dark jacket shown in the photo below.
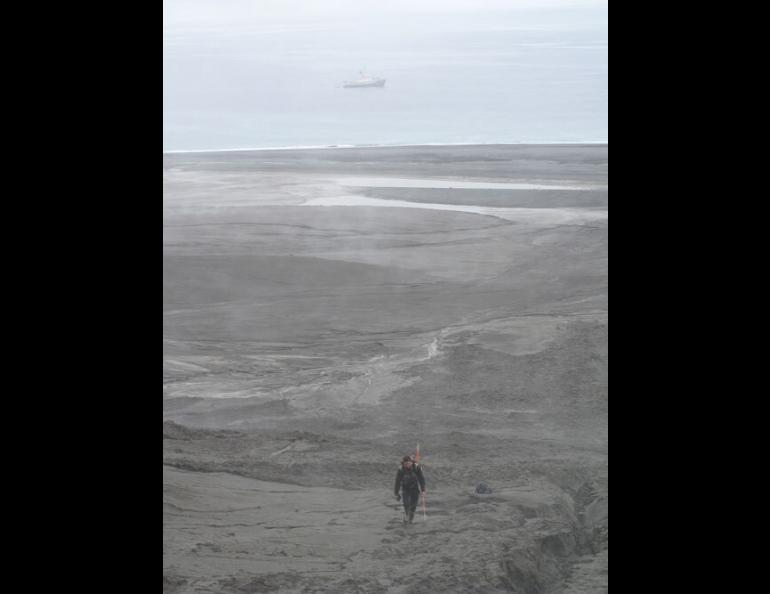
(409, 479)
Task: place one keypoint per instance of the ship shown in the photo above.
(364, 81)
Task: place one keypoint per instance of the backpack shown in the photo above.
(409, 478)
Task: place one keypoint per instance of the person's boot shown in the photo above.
(411, 516)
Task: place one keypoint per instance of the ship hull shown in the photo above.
(354, 85)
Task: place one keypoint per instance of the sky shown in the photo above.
(180, 13)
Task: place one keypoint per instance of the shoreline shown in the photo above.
(499, 163)
(363, 146)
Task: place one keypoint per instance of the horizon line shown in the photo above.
(348, 146)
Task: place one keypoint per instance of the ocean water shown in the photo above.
(496, 77)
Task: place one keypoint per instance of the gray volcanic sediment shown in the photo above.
(307, 348)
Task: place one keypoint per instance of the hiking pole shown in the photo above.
(422, 493)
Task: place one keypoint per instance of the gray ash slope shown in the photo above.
(307, 348)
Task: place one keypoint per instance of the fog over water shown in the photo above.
(269, 74)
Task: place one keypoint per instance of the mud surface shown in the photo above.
(308, 347)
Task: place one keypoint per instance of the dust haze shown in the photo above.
(432, 268)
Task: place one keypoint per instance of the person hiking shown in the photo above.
(410, 480)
